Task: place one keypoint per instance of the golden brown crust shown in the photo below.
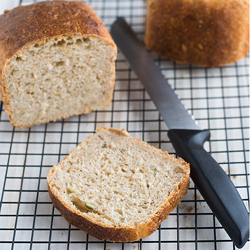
(40, 22)
(203, 32)
(120, 234)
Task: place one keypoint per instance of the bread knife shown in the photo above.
(186, 136)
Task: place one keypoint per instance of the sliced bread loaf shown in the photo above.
(57, 59)
(117, 188)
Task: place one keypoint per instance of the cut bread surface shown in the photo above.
(64, 76)
(117, 182)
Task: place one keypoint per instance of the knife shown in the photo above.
(186, 136)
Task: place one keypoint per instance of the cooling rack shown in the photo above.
(219, 100)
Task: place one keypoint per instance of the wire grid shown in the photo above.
(219, 100)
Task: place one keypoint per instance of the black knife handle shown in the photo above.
(213, 183)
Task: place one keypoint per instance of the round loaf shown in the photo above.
(207, 33)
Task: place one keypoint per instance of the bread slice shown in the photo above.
(57, 59)
(117, 188)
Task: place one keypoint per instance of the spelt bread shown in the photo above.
(57, 59)
(207, 33)
(117, 188)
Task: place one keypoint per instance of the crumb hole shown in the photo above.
(79, 42)
(69, 38)
(13, 72)
(69, 191)
(86, 39)
(119, 211)
(18, 58)
(178, 170)
(61, 63)
(59, 43)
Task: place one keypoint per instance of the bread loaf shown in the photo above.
(57, 59)
(117, 188)
(207, 33)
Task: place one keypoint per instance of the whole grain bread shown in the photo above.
(116, 187)
(207, 33)
(57, 59)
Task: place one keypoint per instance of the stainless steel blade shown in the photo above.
(166, 101)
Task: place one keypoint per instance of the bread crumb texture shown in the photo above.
(64, 76)
(118, 182)
(60, 71)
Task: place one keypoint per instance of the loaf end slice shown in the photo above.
(116, 187)
(57, 60)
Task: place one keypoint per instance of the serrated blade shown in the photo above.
(170, 107)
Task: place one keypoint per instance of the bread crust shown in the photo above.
(120, 234)
(208, 33)
(26, 25)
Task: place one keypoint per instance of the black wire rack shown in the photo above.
(219, 100)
